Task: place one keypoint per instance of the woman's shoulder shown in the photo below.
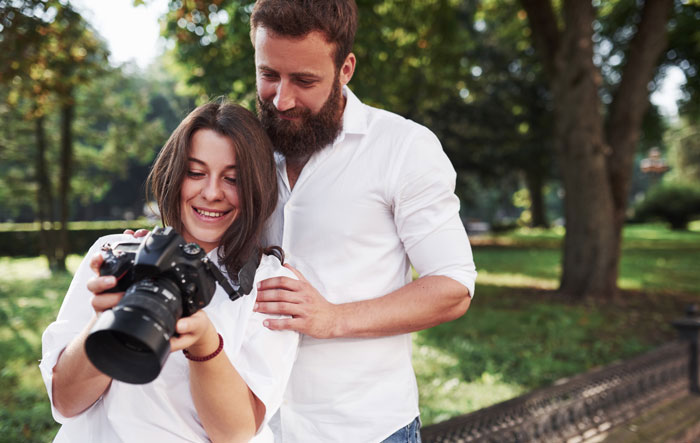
(269, 267)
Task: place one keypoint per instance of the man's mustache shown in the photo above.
(288, 113)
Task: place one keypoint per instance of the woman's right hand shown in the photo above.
(98, 284)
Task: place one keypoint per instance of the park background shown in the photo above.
(581, 194)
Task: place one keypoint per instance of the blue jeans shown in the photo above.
(408, 434)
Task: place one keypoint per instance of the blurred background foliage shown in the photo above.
(78, 133)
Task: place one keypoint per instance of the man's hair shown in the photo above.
(335, 19)
(256, 177)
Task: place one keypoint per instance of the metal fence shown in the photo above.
(578, 408)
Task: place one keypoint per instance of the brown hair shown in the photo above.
(335, 19)
(256, 178)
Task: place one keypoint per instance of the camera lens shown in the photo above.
(130, 342)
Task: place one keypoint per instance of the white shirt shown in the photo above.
(163, 410)
(362, 211)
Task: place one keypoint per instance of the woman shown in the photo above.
(214, 182)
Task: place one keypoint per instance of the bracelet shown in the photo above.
(206, 357)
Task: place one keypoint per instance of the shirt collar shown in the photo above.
(355, 117)
(355, 114)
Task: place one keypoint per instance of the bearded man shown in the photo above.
(364, 194)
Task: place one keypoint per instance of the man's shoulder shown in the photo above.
(393, 129)
(378, 116)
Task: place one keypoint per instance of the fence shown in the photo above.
(589, 404)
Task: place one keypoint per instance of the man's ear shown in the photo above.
(348, 69)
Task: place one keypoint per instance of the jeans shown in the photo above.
(408, 434)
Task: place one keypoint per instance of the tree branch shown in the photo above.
(545, 31)
(631, 99)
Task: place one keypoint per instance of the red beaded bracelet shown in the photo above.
(206, 357)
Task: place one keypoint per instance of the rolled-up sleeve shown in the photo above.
(426, 212)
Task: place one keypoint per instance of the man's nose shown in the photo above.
(284, 97)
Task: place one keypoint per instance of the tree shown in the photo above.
(595, 144)
(49, 60)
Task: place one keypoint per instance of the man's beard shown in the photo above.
(298, 140)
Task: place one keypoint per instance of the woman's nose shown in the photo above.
(213, 190)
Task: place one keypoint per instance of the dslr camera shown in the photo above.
(165, 278)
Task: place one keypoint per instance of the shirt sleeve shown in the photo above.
(426, 212)
(76, 311)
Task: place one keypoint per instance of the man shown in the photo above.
(363, 195)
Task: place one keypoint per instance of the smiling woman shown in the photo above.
(215, 183)
(209, 196)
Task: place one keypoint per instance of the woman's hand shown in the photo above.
(98, 284)
(197, 335)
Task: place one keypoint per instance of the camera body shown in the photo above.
(165, 278)
(164, 254)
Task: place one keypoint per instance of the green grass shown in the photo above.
(29, 301)
(517, 335)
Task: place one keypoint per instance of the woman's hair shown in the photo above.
(256, 178)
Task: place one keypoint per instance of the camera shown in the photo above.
(165, 278)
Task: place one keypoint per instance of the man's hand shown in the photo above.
(311, 313)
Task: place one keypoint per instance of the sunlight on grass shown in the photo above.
(29, 300)
(514, 280)
(444, 393)
(32, 268)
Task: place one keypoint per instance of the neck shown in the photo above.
(294, 168)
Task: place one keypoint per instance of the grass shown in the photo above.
(29, 301)
(517, 335)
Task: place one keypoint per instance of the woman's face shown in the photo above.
(209, 195)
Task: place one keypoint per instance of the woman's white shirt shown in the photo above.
(163, 410)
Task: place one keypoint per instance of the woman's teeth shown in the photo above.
(209, 213)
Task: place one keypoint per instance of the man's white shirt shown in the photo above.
(361, 212)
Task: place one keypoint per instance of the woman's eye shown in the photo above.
(195, 174)
(231, 180)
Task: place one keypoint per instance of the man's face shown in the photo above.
(299, 91)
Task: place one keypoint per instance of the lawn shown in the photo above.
(517, 335)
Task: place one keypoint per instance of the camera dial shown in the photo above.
(191, 249)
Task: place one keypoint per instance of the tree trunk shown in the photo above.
(45, 212)
(596, 160)
(535, 186)
(67, 113)
(589, 252)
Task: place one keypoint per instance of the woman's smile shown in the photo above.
(209, 194)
